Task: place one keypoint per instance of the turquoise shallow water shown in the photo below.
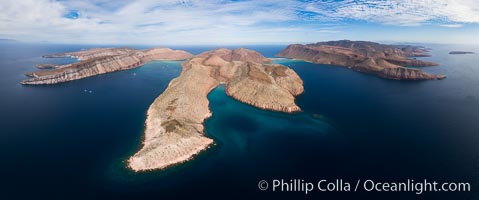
(60, 142)
(241, 131)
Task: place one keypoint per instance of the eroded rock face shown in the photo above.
(174, 127)
(270, 87)
(386, 61)
(100, 61)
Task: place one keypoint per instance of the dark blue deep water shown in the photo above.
(60, 142)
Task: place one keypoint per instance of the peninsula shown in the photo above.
(100, 61)
(174, 130)
(385, 61)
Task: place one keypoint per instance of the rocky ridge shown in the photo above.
(100, 61)
(386, 61)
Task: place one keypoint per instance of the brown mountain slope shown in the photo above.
(174, 129)
(386, 61)
(100, 61)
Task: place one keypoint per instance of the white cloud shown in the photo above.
(452, 25)
(215, 21)
(399, 12)
(144, 21)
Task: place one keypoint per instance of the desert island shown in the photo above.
(174, 131)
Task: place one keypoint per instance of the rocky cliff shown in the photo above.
(386, 61)
(174, 129)
(100, 61)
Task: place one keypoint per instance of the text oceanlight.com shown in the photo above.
(340, 185)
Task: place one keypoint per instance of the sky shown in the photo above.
(220, 22)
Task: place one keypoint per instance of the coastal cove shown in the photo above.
(60, 140)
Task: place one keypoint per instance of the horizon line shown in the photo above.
(391, 42)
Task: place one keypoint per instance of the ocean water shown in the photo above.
(63, 142)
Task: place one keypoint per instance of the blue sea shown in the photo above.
(71, 140)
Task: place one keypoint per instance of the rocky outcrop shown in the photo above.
(174, 129)
(386, 61)
(270, 87)
(100, 61)
(461, 52)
